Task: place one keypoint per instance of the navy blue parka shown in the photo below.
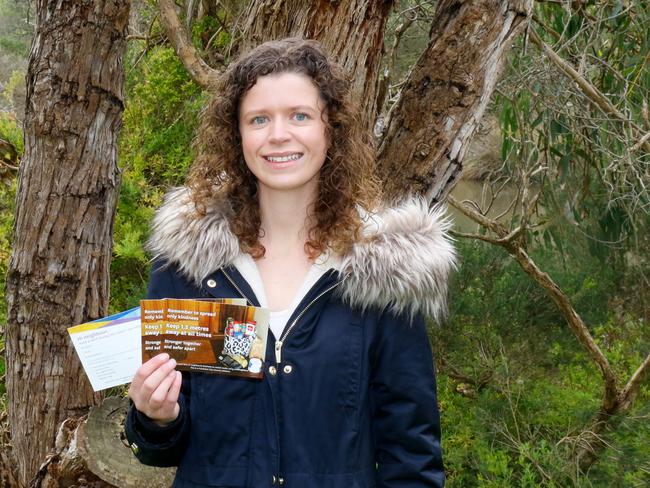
(348, 397)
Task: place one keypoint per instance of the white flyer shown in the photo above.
(109, 348)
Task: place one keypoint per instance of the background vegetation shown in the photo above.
(516, 389)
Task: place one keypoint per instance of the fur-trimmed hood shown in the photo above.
(403, 262)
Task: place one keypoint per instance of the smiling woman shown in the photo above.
(346, 181)
(280, 210)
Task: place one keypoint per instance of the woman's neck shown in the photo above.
(285, 221)
(285, 229)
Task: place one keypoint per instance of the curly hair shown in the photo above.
(347, 181)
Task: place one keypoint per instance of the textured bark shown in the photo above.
(68, 182)
(446, 94)
(90, 452)
(8, 477)
(352, 31)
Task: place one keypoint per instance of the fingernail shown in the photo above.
(165, 356)
(173, 361)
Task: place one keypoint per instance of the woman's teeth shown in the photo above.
(283, 159)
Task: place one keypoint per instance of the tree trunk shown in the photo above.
(68, 182)
(442, 103)
(352, 31)
(90, 452)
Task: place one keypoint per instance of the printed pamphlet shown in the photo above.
(207, 336)
(109, 348)
(220, 336)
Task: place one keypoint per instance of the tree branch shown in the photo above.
(575, 322)
(198, 69)
(641, 142)
(614, 401)
(385, 82)
(8, 153)
(409, 18)
(631, 389)
(591, 439)
(590, 91)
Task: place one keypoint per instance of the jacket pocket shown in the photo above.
(221, 420)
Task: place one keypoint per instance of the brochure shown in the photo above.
(221, 336)
(109, 348)
(208, 336)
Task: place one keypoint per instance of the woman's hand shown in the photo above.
(155, 389)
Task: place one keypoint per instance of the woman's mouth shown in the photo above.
(283, 158)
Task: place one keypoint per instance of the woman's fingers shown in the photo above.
(159, 396)
(155, 388)
(163, 405)
(175, 390)
(151, 383)
(148, 368)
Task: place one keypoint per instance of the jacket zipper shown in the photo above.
(232, 282)
(283, 337)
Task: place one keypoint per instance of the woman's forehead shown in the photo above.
(287, 90)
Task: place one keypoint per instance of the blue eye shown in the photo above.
(258, 120)
(300, 117)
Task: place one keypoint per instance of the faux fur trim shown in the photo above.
(197, 244)
(403, 262)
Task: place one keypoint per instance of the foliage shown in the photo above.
(162, 106)
(11, 132)
(520, 429)
(15, 28)
(15, 37)
(594, 172)
(516, 388)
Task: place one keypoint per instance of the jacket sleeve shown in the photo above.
(406, 421)
(152, 444)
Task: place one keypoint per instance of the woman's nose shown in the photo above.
(279, 131)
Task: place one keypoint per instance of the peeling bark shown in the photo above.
(352, 31)
(446, 94)
(68, 182)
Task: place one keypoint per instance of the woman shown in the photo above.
(278, 210)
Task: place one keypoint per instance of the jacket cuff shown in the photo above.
(155, 445)
(154, 432)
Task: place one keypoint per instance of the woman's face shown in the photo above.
(282, 128)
